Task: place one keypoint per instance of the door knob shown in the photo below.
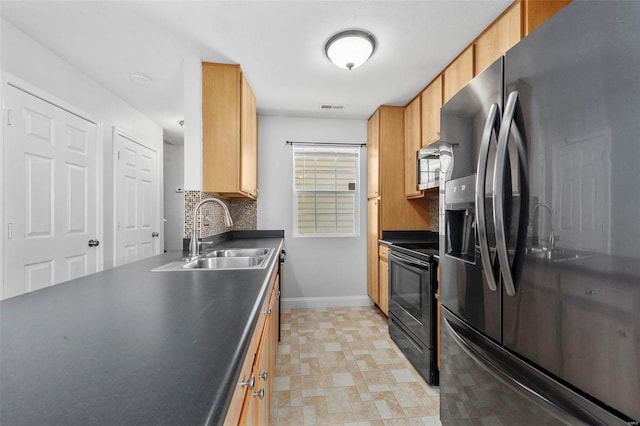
(155, 234)
(94, 243)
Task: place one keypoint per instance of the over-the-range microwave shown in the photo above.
(431, 161)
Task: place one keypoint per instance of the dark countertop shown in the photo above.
(130, 346)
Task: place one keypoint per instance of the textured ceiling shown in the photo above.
(280, 45)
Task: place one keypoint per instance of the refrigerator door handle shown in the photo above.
(512, 115)
(491, 126)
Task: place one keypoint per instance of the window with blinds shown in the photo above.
(325, 187)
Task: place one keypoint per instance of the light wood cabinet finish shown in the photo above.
(229, 132)
(383, 276)
(391, 210)
(396, 212)
(373, 155)
(518, 21)
(537, 12)
(430, 111)
(458, 73)
(499, 37)
(412, 141)
(246, 407)
(372, 248)
(248, 142)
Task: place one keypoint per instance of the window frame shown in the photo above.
(338, 151)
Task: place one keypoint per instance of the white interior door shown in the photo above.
(137, 200)
(51, 204)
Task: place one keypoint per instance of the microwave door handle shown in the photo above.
(491, 126)
(512, 116)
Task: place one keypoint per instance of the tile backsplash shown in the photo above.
(211, 217)
(433, 212)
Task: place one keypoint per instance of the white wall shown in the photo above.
(33, 63)
(192, 123)
(319, 272)
(173, 201)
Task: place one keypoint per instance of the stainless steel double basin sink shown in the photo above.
(222, 259)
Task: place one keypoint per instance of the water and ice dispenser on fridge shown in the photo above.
(460, 213)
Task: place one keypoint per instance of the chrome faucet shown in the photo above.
(552, 238)
(194, 247)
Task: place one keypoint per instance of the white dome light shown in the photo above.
(350, 49)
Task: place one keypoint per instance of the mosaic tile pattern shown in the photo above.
(210, 220)
(338, 366)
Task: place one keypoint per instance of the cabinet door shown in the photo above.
(503, 34)
(220, 127)
(262, 395)
(458, 73)
(372, 249)
(373, 155)
(538, 11)
(412, 140)
(430, 111)
(248, 142)
(383, 272)
(273, 340)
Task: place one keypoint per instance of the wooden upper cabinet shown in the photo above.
(537, 12)
(373, 155)
(412, 143)
(248, 142)
(229, 133)
(503, 34)
(430, 111)
(459, 73)
(518, 21)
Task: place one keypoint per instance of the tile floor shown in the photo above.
(338, 366)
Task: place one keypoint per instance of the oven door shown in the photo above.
(411, 298)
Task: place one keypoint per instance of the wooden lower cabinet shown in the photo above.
(383, 279)
(373, 214)
(251, 402)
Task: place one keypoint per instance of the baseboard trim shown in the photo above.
(325, 302)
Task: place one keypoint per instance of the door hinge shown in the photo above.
(10, 231)
(118, 155)
(118, 224)
(9, 117)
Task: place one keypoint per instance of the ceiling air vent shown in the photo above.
(329, 106)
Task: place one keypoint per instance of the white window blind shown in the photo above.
(325, 186)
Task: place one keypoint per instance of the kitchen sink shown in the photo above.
(222, 259)
(556, 254)
(256, 252)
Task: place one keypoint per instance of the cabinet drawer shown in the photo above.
(383, 251)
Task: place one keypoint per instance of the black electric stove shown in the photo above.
(412, 304)
(427, 251)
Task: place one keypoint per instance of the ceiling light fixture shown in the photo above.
(351, 48)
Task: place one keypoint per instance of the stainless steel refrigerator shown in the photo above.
(540, 228)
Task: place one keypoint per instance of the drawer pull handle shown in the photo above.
(259, 394)
(264, 375)
(250, 383)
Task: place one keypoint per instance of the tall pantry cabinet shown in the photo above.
(387, 206)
